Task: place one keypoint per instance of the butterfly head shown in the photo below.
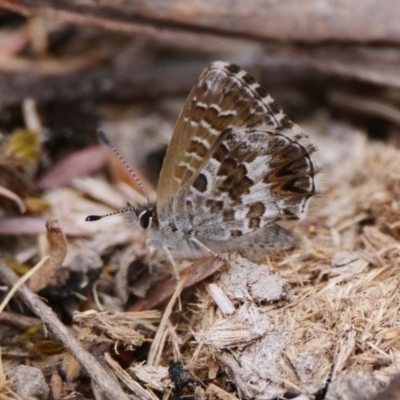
(147, 216)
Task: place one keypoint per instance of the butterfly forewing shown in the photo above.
(235, 163)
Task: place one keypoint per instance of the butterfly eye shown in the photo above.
(146, 218)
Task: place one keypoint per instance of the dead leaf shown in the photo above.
(57, 249)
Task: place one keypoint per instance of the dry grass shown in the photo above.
(338, 314)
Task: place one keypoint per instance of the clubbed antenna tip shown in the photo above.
(103, 137)
(90, 218)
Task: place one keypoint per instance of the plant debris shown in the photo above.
(90, 310)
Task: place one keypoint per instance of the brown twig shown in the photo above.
(19, 321)
(303, 21)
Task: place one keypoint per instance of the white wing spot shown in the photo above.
(220, 64)
(227, 113)
(241, 74)
(205, 124)
(204, 142)
(201, 105)
(267, 99)
(254, 86)
(193, 155)
(212, 131)
(187, 166)
(215, 107)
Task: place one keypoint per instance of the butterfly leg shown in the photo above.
(173, 263)
(150, 242)
(207, 249)
(176, 273)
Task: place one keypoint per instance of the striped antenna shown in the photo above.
(103, 137)
(91, 218)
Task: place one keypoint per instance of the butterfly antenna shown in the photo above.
(103, 137)
(91, 218)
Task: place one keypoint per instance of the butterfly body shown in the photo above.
(178, 241)
(183, 241)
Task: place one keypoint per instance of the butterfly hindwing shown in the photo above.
(253, 178)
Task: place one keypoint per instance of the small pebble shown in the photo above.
(29, 382)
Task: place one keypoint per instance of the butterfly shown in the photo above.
(236, 166)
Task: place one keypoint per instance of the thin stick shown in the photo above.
(21, 281)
